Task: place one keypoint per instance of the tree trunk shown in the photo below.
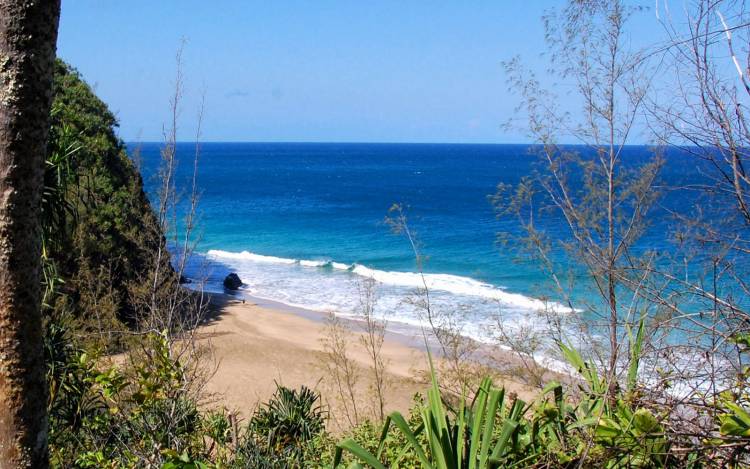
(28, 36)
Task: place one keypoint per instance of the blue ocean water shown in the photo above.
(303, 224)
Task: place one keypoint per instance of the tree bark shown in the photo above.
(28, 37)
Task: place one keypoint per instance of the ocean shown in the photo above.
(304, 224)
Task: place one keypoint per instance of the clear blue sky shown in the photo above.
(386, 71)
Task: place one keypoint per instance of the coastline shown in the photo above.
(258, 343)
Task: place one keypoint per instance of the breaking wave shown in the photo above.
(453, 284)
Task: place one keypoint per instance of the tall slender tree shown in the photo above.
(603, 199)
(28, 37)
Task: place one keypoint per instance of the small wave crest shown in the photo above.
(249, 256)
(340, 266)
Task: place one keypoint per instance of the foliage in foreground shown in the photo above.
(144, 412)
(116, 415)
(588, 429)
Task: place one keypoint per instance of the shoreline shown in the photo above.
(402, 333)
(409, 334)
(259, 343)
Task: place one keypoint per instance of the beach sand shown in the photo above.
(258, 344)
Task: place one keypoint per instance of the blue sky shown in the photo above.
(386, 71)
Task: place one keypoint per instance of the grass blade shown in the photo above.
(398, 420)
(509, 426)
(358, 451)
(496, 395)
(480, 401)
(384, 435)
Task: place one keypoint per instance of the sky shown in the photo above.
(302, 71)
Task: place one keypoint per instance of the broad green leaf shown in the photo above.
(645, 422)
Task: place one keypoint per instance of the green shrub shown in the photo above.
(121, 416)
(498, 430)
(290, 417)
(280, 432)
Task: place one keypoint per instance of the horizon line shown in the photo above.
(351, 142)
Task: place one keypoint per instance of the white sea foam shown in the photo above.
(249, 256)
(454, 284)
(307, 263)
(340, 266)
(457, 285)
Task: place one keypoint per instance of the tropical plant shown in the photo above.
(291, 417)
(59, 212)
(83, 400)
(286, 432)
(58, 208)
(124, 415)
(627, 435)
(497, 430)
(468, 439)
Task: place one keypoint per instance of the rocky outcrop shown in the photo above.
(232, 282)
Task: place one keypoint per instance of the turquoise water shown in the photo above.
(304, 224)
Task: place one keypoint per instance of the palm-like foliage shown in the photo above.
(478, 435)
(59, 176)
(291, 417)
(58, 212)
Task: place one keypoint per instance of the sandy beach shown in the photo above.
(258, 344)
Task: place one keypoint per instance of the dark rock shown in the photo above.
(184, 280)
(232, 282)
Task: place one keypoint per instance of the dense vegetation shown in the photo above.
(100, 230)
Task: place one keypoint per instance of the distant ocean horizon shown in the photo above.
(303, 224)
